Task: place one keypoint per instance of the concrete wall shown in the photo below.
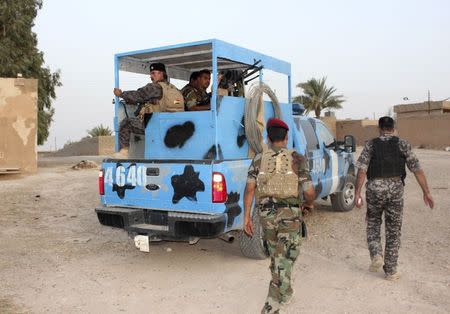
(421, 113)
(18, 124)
(426, 131)
(106, 145)
(102, 145)
(362, 130)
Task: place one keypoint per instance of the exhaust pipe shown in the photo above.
(227, 237)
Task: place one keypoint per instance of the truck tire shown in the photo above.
(253, 247)
(344, 201)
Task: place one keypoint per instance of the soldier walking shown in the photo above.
(283, 186)
(383, 160)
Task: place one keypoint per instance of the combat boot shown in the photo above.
(377, 262)
(393, 277)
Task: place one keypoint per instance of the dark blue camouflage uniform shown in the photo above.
(385, 195)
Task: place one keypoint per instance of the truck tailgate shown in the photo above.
(175, 185)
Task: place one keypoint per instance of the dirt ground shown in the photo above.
(56, 257)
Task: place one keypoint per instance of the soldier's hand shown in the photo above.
(117, 92)
(248, 227)
(359, 201)
(428, 200)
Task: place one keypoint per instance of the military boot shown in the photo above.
(393, 277)
(377, 262)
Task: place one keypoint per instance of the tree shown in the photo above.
(100, 131)
(19, 54)
(317, 96)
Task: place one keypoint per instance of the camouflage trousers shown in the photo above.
(282, 233)
(385, 195)
(128, 126)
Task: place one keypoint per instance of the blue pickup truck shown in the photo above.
(185, 179)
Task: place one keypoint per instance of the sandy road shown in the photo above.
(56, 257)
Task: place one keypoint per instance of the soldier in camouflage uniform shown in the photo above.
(383, 160)
(282, 183)
(195, 96)
(150, 97)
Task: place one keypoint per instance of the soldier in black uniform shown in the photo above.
(383, 160)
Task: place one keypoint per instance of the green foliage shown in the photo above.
(99, 131)
(19, 54)
(317, 96)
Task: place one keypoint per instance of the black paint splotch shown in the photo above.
(241, 134)
(212, 154)
(122, 189)
(179, 134)
(187, 185)
(232, 207)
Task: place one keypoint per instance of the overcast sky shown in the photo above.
(374, 52)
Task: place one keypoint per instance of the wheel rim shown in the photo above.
(349, 193)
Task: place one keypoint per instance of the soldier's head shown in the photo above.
(204, 79)
(193, 78)
(277, 132)
(386, 124)
(158, 72)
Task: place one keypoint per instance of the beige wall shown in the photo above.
(18, 124)
(421, 113)
(427, 131)
(362, 130)
(106, 145)
(102, 145)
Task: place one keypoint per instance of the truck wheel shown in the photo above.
(344, 201)
(253, 247)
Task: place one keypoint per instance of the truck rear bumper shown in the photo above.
(166, 225)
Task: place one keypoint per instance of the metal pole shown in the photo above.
(429, 104)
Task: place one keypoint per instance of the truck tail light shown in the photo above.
(101, 182)
(219, 188)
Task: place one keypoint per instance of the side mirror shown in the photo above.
(349, 143)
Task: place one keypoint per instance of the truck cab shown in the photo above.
(185, 179)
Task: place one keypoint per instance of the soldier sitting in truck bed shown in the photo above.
(158, 96)
(195, 96)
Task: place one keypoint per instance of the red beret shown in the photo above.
(277, 123)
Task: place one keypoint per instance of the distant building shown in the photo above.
(425, 125)
(422, 109)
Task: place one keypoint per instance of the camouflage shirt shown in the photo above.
(405, 148)
(299, 166)
(193, 96)
(150, 93)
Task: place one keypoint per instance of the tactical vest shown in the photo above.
(172, 100)
(276, 177)
(387, 160)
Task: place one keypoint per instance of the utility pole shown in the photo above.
(429, 103)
